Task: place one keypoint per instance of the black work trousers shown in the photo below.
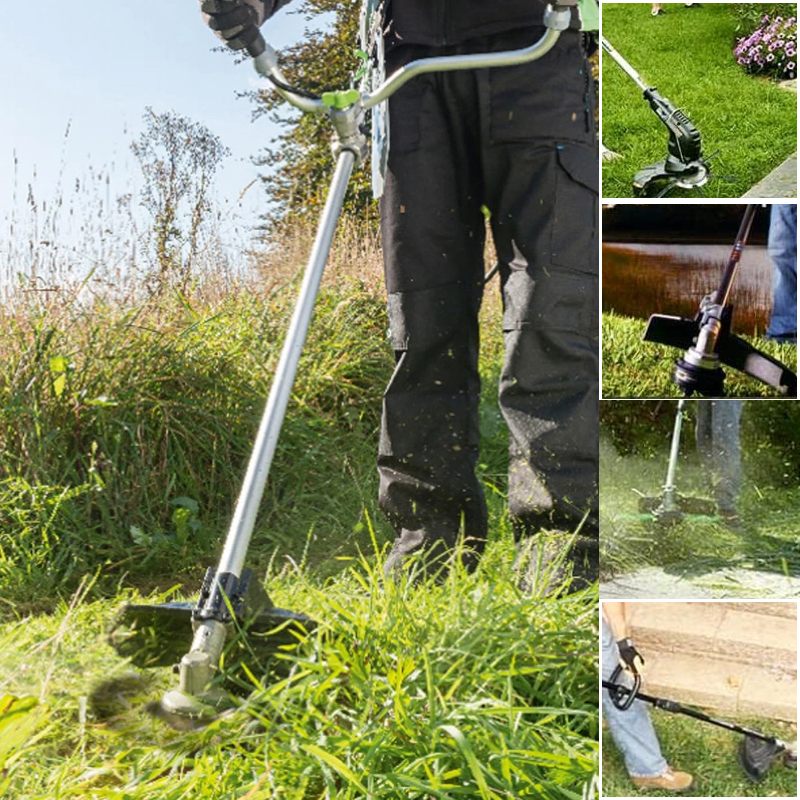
(520, 142)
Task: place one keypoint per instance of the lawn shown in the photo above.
(687, 54)
(636, 369)
(707, 753)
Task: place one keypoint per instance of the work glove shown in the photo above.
(630, 657)
(236, 22)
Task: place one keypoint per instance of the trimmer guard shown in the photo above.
(733, 351)
(683, 505)
(692, 175)
(159, 635)
(756, 756)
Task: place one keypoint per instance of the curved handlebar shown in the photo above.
(505, 58)
(556, 19)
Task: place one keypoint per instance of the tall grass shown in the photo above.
(461, 690)
(125, 424)
(125, 431)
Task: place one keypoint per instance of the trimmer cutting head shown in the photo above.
(757, 755)
(673, 512)
(658, 179)
(159, 635)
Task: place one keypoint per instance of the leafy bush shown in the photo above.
(771, 49)
(749, 15)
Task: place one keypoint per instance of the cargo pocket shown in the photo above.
(564, 301)
(542, 99)
(405, 115)
(575, 228)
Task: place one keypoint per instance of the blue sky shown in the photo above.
(95, 65)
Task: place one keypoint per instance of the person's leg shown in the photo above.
(726, 453)
(703, 431)
(632, 729)
(540, 163)
(783, 252)
(655, 9)
(433, 239)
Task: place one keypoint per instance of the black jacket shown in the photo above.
(443, 22)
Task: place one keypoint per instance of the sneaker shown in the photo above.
(670, 780)
(656, 11)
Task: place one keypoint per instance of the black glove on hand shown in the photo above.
(236, 22)
(630, 656)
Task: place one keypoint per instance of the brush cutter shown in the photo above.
(684, 166)
(757, 751)
(709, 343)
(670, 507)
(232, 601)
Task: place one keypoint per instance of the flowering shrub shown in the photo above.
(771, 49)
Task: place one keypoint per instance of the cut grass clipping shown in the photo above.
(687, 54)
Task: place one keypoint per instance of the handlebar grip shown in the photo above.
(257, 46)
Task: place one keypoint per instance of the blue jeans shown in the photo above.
(783, 252)
(717, 437)
(632, 729)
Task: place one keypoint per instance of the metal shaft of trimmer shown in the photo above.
(623, 64)
(723, 293)
(709, 332)
(670, 501)
(198, 666)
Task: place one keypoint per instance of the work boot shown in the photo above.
(428, 553)
(556, 562)
(670, 781)
(731, 519)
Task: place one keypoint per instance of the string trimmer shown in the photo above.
(684, 167)
(757, 752)
(708, 342)
(232, 601)
(670, 507)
